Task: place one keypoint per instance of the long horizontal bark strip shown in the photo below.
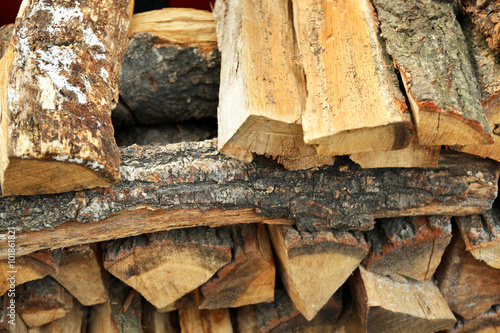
(194, 175)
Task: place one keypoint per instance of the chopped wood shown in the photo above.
(353, 100)
(10, 321)
(249, 277)
(282, 316)
(164, 266)
(60, 82)
(408, 246)
(81, 272)
(73, 321)
(41, 301)
(154, 321)
(308, 263)
(386, 305)
(214, 320)
(171, 69)
(110, 317)
(5, 36)
(262, 89)
(179, 185)
(486, 16)
(488, 322)
(431, 53)
(469, 286)
(190, 300)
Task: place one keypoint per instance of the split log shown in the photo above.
(154, 321)
(488, 322)
(82, 273)
(308, 263)
(187, 184)
(249, 277)
(121, 314)
(282, 316)
(42, 301)
(194, 320)
(470, 287)
(432, 55)
(386, 305)
(5, 36)
(190, 300)
(262, 89)
(171, 69)
(30, 267)
(73, 321)
(165, 266)
(60, 82)
(353, 100)
(486, 16)
(10, 321)
(408, 246)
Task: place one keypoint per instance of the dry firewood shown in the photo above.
(486, 16)
(179, 185)
(214, 320)
(431, 53)
(386, 305)
(41, 301)
(308, 263)
(488, 322)
(154, 321)
(60, 82)
(30, 267)
(353, 103)
(10, 321)
(165, 266)
(171, 69)
(81, 272)
(73, 321)
(408, 246)
(190, 300)
(5, 36)
(282, 316)
(249, 277)
(121, 314)
(262, 89)
(469, 286)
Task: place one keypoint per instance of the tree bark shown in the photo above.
(487, 322)
(486, 16)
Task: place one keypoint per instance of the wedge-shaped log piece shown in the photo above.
(262, 89)
(154, 321)
(352, 104)
(121, 314)
(386, 305)
(59, 83)
(249, 277)
(215, 320)
(486, 16)
(487, 322)
(188, 301)
(73, 321)
(42, 301)
(82, 273)
(469, 286)
(165, 266)
(171, 69)
(481, 235)
(408, 246)
(282, 316)
(432, 55)
(308, 263)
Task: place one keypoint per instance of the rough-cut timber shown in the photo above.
(5, 36)
(171, 69)
(408, 246)
(59, 84)
(154, 321)
(10, 321)
(281, 316)
(42, 301)
(262, 90)
(386, 305)
(121, 314)
(431, 53)
(190, 300)
(470, 287)
(313, 266)
(165, 266)
(81, 272)
(249, 277)
(177, 185)
(194, 320)
(353, 103)
(486, 16)
(488, 322)
(73, 321)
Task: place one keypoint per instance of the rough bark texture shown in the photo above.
(60, 83)
(409, 246)
(431, 54)
(488, 322)
(486, 16)
(194, 175)
(5, 36)
(165, 79)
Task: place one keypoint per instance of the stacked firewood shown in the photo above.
(280, 233)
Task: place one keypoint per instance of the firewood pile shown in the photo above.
(276, 166)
